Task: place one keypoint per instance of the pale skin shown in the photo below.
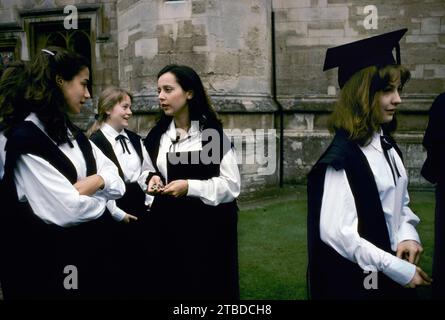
(408, 250)
(174, 102)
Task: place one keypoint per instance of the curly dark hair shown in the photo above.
(12, 90)
(45, 98)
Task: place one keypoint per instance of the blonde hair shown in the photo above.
(357, 110)
(108, 99)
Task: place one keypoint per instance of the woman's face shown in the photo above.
(76, 91)
(389, 99)
(119, 115)
(172, 98)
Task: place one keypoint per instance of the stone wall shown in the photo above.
(306, 28)
(229, 43)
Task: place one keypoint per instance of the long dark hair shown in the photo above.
(43, 95)
(13, 83)
(200, 106)
(357, 110)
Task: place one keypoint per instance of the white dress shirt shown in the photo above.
(222, 189)
(338, 217)
(130, 164)
(2, 154)
(51, 195)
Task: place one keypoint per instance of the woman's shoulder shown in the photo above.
(438, 106)
(132, 134)
(158, 129)
(24, 130)
(339, 151)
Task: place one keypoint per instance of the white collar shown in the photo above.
(375, 142)
(111, 132)
(193, 130)
(34, 119)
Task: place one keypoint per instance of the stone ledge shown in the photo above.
(56, 10)
(325, 104)
(223, 104)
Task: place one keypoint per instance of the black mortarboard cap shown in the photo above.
(354, 56)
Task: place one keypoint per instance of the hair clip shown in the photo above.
(48, 52)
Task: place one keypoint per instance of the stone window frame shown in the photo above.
(9, 45)
(10, 40)
(92, 13)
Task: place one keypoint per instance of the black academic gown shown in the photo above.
(129, 248)
(197, 243)
(434, 171)
(331, 276)
(34, 254)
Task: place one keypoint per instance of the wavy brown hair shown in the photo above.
(109, 97)
(45, 98)
(13, 83)
(357, 111)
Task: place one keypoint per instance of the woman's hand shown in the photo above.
(129, 218)
(177, 188)
(420, 279)
(155, 186)
(89, 185)
(410, 251)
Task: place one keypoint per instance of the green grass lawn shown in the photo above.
(272, 242)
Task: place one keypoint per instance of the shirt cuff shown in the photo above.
(142, 180)
(113, 188)
(194, 189)
(407, 232)
(148, 200)
(106, 182)
(400, 271)
(118, 214)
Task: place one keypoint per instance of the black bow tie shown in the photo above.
(384, 141)
(121, 139)
(386, 145)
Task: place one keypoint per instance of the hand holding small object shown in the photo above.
(155, 186)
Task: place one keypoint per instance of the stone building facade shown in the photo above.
(260, 60)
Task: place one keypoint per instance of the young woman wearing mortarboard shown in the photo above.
(358, 215)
